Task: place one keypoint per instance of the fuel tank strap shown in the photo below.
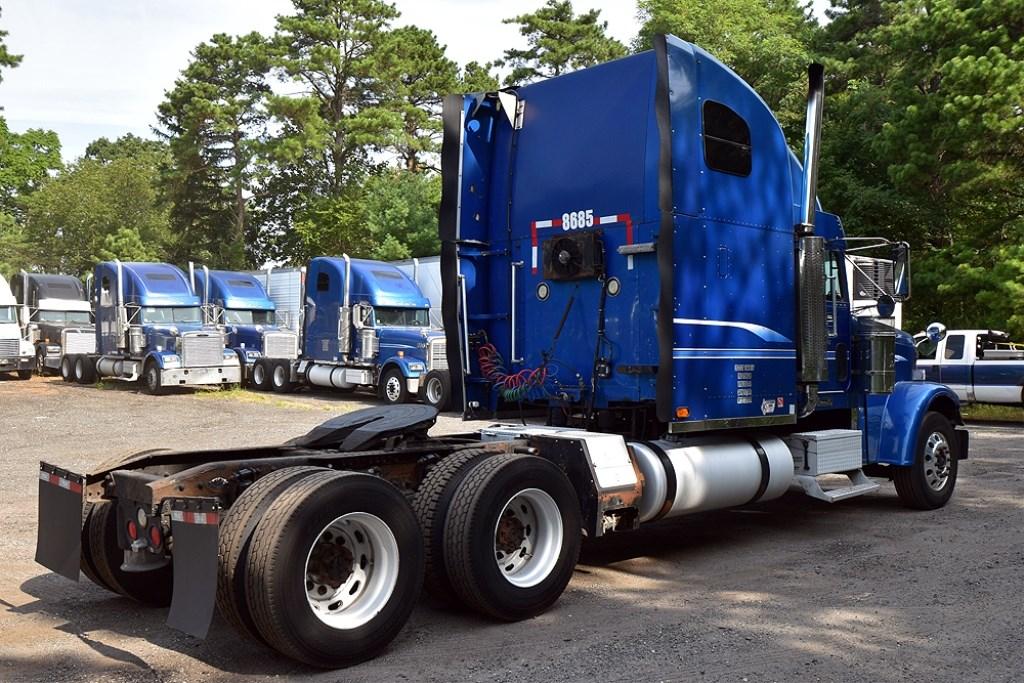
(766, 470)
(670, 478)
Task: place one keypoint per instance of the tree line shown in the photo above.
(322, 138)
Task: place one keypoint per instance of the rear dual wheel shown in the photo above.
(502, 532)
(330, 562)
(102, 558)
(67, 368)
(84, 370)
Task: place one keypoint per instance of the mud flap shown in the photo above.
(59, 529)
(195, 537)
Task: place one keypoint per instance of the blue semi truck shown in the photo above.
(238, 304)
(150, 328)
(631, 249)
(364, 324)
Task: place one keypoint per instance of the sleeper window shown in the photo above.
(726, 140)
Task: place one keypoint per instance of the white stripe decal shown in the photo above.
(533, 256)
(544, 224)
(761, 331)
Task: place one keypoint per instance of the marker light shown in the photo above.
(682, 412)
(133, 529)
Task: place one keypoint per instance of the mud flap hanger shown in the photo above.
(195, 526)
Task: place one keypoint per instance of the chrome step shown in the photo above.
(859, 485)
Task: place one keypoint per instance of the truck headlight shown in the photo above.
(417, 367)
(171, 362)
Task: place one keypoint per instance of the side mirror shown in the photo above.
(901, 271)
(936, 332)
(886, 306)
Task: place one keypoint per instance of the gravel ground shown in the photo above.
(864, 590)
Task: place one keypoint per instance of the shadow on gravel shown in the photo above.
(95, 610)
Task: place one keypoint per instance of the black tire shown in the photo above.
(85, 371)
(152, 587)
(86, 563)
(67, 368)
(260, 379)
(24, 374)
(470, 538)
(235, 536)
(40, 360)
(933, 463)
(431, 503)
(436, 389)
(275, 580)
(393, 388)
(281, 377)
(150, 379)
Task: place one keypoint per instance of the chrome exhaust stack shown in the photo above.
(811, 251)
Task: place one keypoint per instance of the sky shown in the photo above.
(95, 68)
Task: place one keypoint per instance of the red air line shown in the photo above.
(624, 218)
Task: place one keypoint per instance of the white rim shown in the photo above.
(279, 378)
(393, 388)
(434, 390)
(258, 374)
(351, 570)
(936, 461)
(528, 538)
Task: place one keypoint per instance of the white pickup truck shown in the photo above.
(982, 366)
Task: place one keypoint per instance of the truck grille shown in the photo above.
(280, 345)
(438, 355)
(76, 341)
(202, 351)
(9, 347)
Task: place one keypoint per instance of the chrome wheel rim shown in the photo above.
(79, 370)
(937, 461)
(393, 388)
(351, 570)
(434, 390)
(528, 538)
(258, 375)
(279, 378)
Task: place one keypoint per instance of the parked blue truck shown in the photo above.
(237, 303)
(366, 324)
(150, 328)
(632, 249)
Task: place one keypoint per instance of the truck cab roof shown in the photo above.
(6, 298)
(233, 290)
(146, 284)
(49, 291)
(373, 282)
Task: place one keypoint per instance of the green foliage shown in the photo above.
(6, 58)
(96, 210)
(924, 141)
(26, 159)
(559, 41)
(764, 41)
(399, 210)
(213, 121)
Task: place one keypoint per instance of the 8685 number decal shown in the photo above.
(573, 220)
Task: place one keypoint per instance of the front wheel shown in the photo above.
(24, 374)
(512, 536)
(41, 361)
(928, 483)
(393, 388)
(151, 383)
(335, 568)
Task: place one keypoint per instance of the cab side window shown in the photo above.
(954, 347)
(323, 282)
(726, 140)
(833, 284)
(105, 298)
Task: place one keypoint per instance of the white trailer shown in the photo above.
(285, 287)
(426, 273)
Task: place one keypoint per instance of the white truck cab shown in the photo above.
(16, 352)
